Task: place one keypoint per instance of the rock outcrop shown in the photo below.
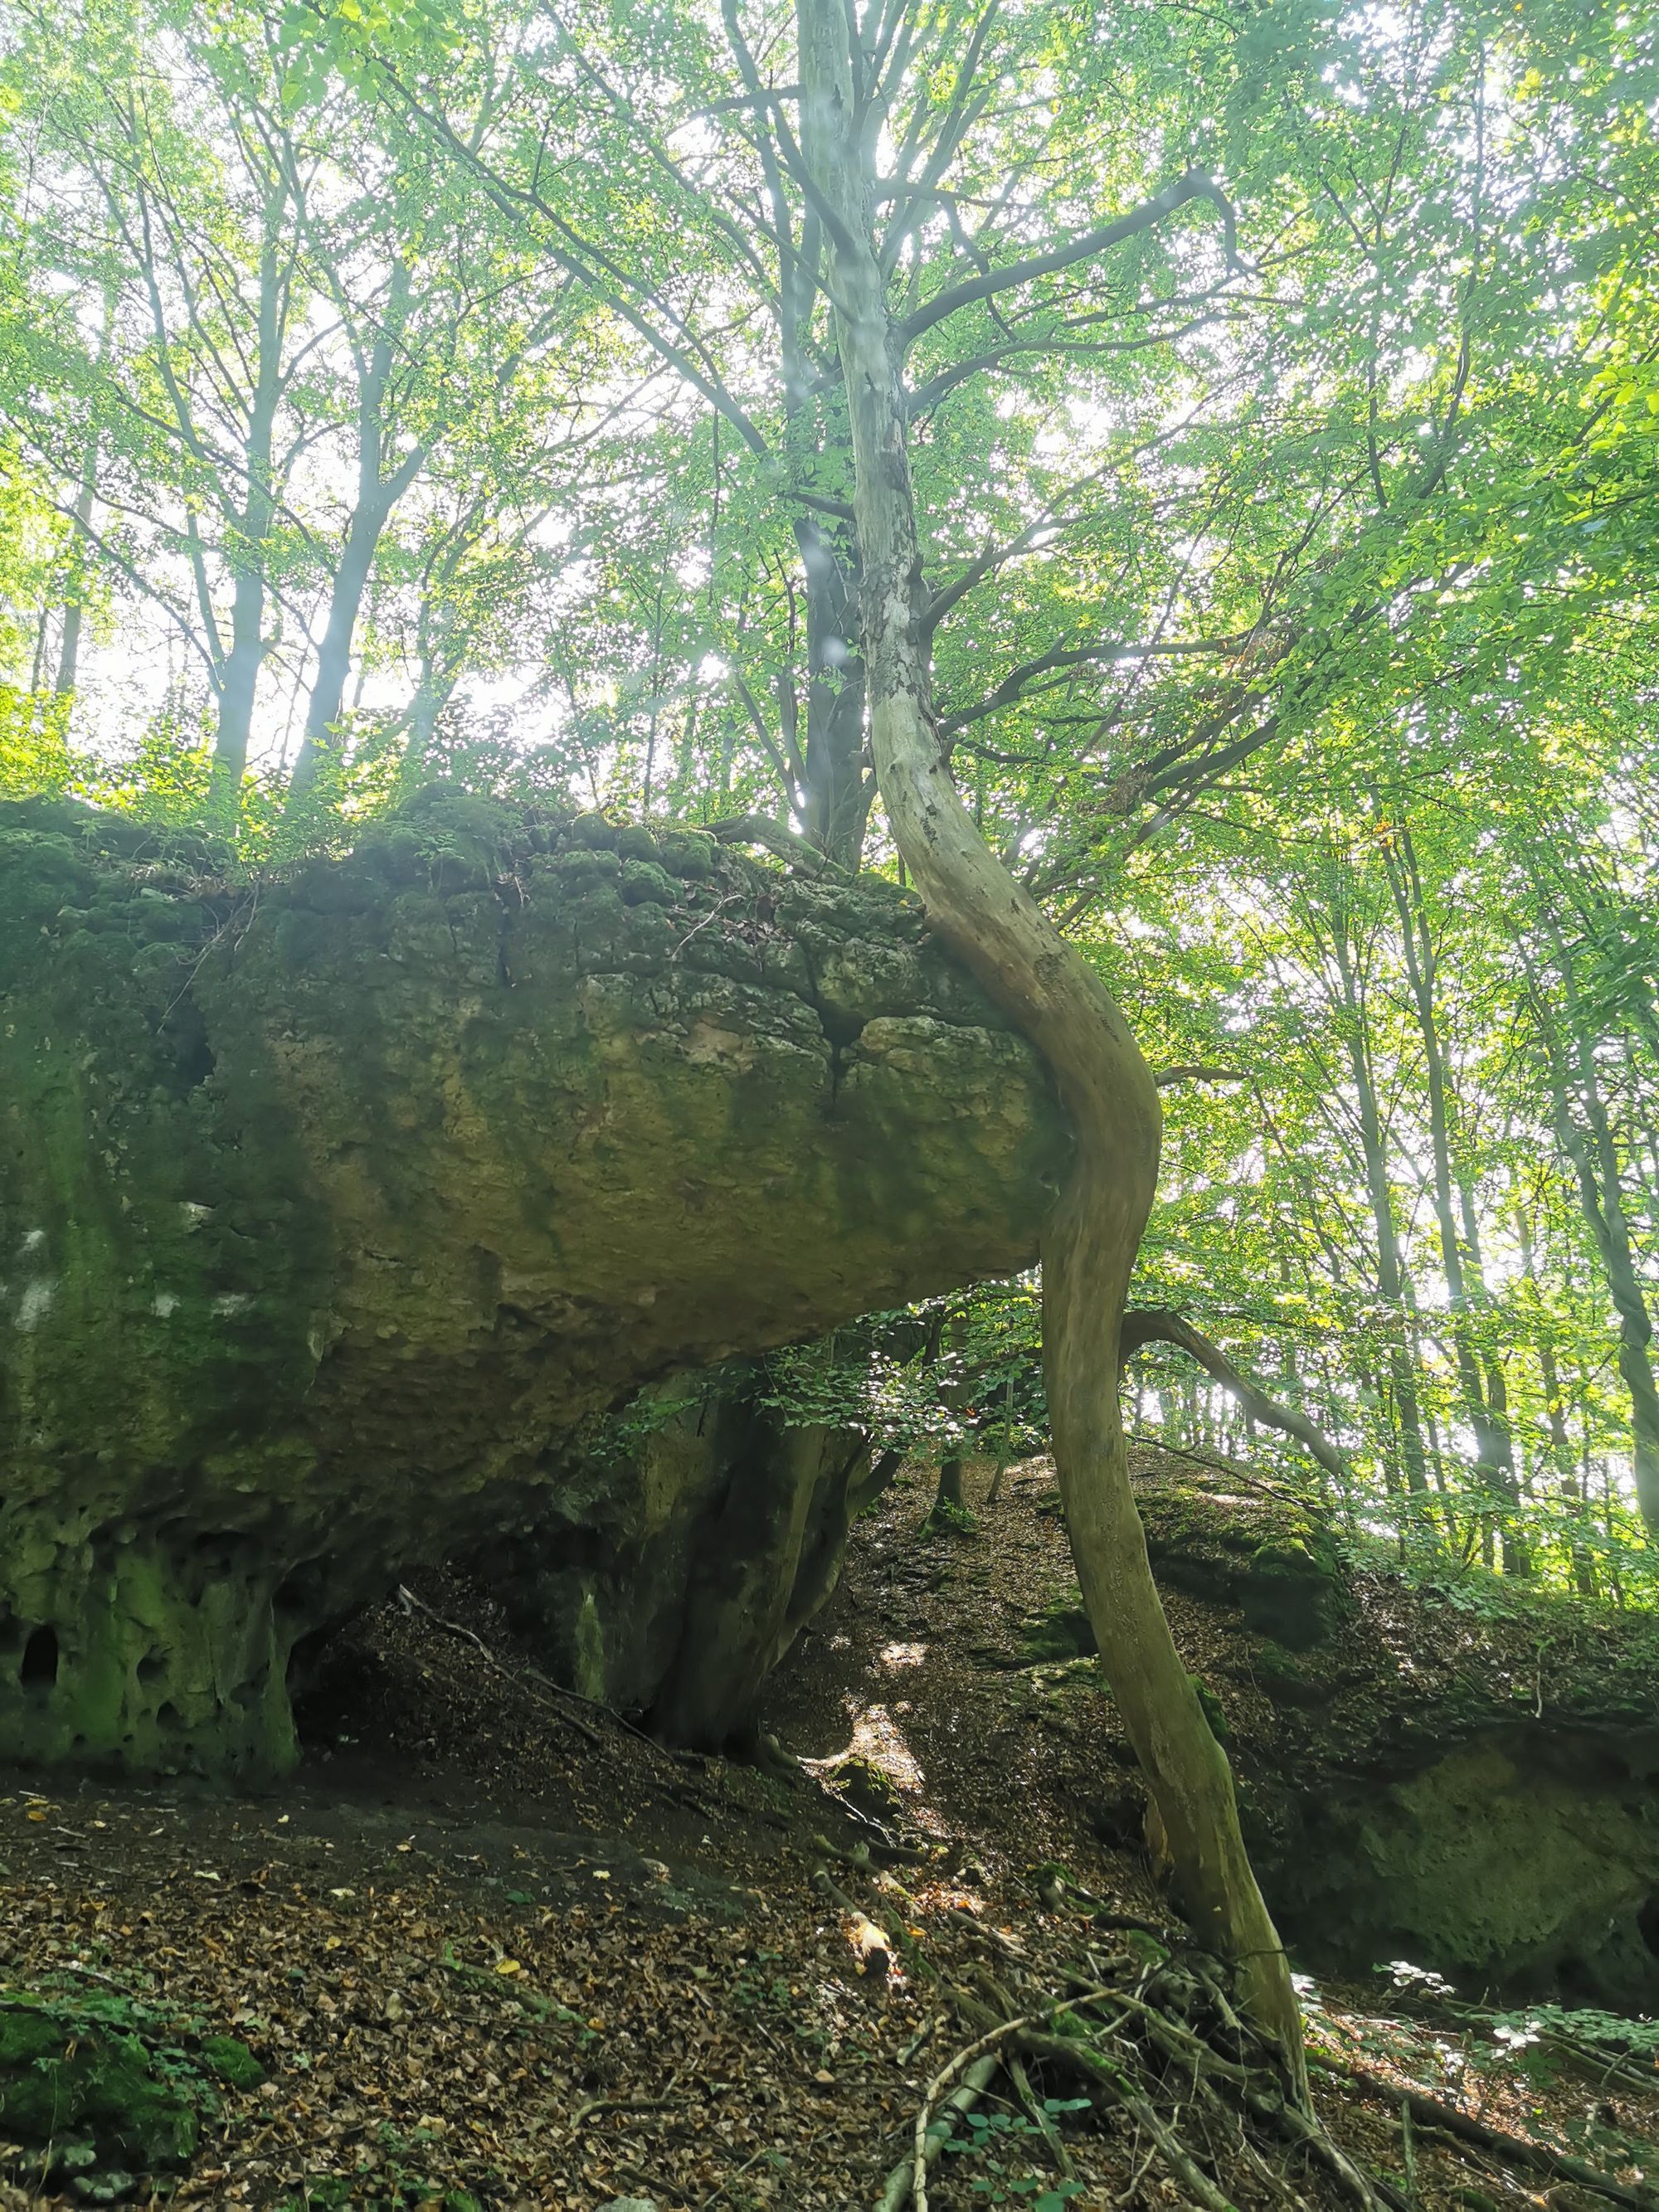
(332, 1206)
(1462, 1773)
(683, 1553)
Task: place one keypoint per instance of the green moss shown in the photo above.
(1060, 1630)
(1273, 1557)
(62, 2079)
(643, 882)
(687, 852)
(329, 1209)
(228, 2059)
(585, 865)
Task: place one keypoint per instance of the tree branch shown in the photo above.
(1197, 183)
(1144, 1325)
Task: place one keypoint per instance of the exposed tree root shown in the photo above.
(902, 2180)
(1513, 2150)
(1158, 2035)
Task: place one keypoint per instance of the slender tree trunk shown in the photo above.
(69, 647)
(1390, 1267)
(1594, 1162)
(1494, 1455)
(345, 605)
(836, 797)
(378, 493)
(1045, 986)
(239, 672)
(1568, 1473)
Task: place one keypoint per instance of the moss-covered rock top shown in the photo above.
(330, 1203)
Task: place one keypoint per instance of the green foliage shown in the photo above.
(988, 2135)
(1291, 563)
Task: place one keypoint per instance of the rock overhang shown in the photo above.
(332, 1202)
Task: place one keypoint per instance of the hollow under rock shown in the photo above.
(333, 1206)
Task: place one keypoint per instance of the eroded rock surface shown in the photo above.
(331, 1207)
(1463, 1774)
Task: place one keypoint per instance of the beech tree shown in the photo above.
(1176, 485)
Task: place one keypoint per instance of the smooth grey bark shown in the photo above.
(378, 491)
(835, 789)
(1494, 1452)
(1044, 985)
(1391, 1278)
(1594, 1156)
(69, 648)
(237, 675)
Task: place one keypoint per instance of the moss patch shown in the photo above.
(98, 2080)
(331, 1207)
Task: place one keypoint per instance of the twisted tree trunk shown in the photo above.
(1044, 985)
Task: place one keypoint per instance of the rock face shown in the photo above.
(680, 1559)
(1463, 1775)
(332, 1206)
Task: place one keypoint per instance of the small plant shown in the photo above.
(988, 2133)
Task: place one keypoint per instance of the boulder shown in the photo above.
(334, 1204)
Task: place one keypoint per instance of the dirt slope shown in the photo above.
(494, 1950)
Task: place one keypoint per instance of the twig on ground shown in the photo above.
(721, 2187)
(592, 2109)
(1513, 2150)
(1040, 2119)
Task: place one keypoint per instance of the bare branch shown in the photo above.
(1196, 185)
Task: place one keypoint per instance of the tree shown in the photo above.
(1089, 1247)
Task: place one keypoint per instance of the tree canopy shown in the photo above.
(398, 390)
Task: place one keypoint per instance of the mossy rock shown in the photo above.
(645, 884)
(1273, 1557)
(65, 2079)
(1285, 1676)
(1062, 1631)
(332, 1209)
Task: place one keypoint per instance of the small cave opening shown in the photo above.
(39, 1670)
(1647, 1923)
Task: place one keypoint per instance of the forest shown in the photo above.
(830, 1085)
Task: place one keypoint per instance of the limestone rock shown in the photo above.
(331, 1206)
(1461, 1774)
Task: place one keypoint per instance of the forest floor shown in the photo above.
(493, 1949)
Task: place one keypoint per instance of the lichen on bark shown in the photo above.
(332, 1205)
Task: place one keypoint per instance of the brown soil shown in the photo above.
(490, 1940)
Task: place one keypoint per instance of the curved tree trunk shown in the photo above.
(1154, 1325)
(1045, 986)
